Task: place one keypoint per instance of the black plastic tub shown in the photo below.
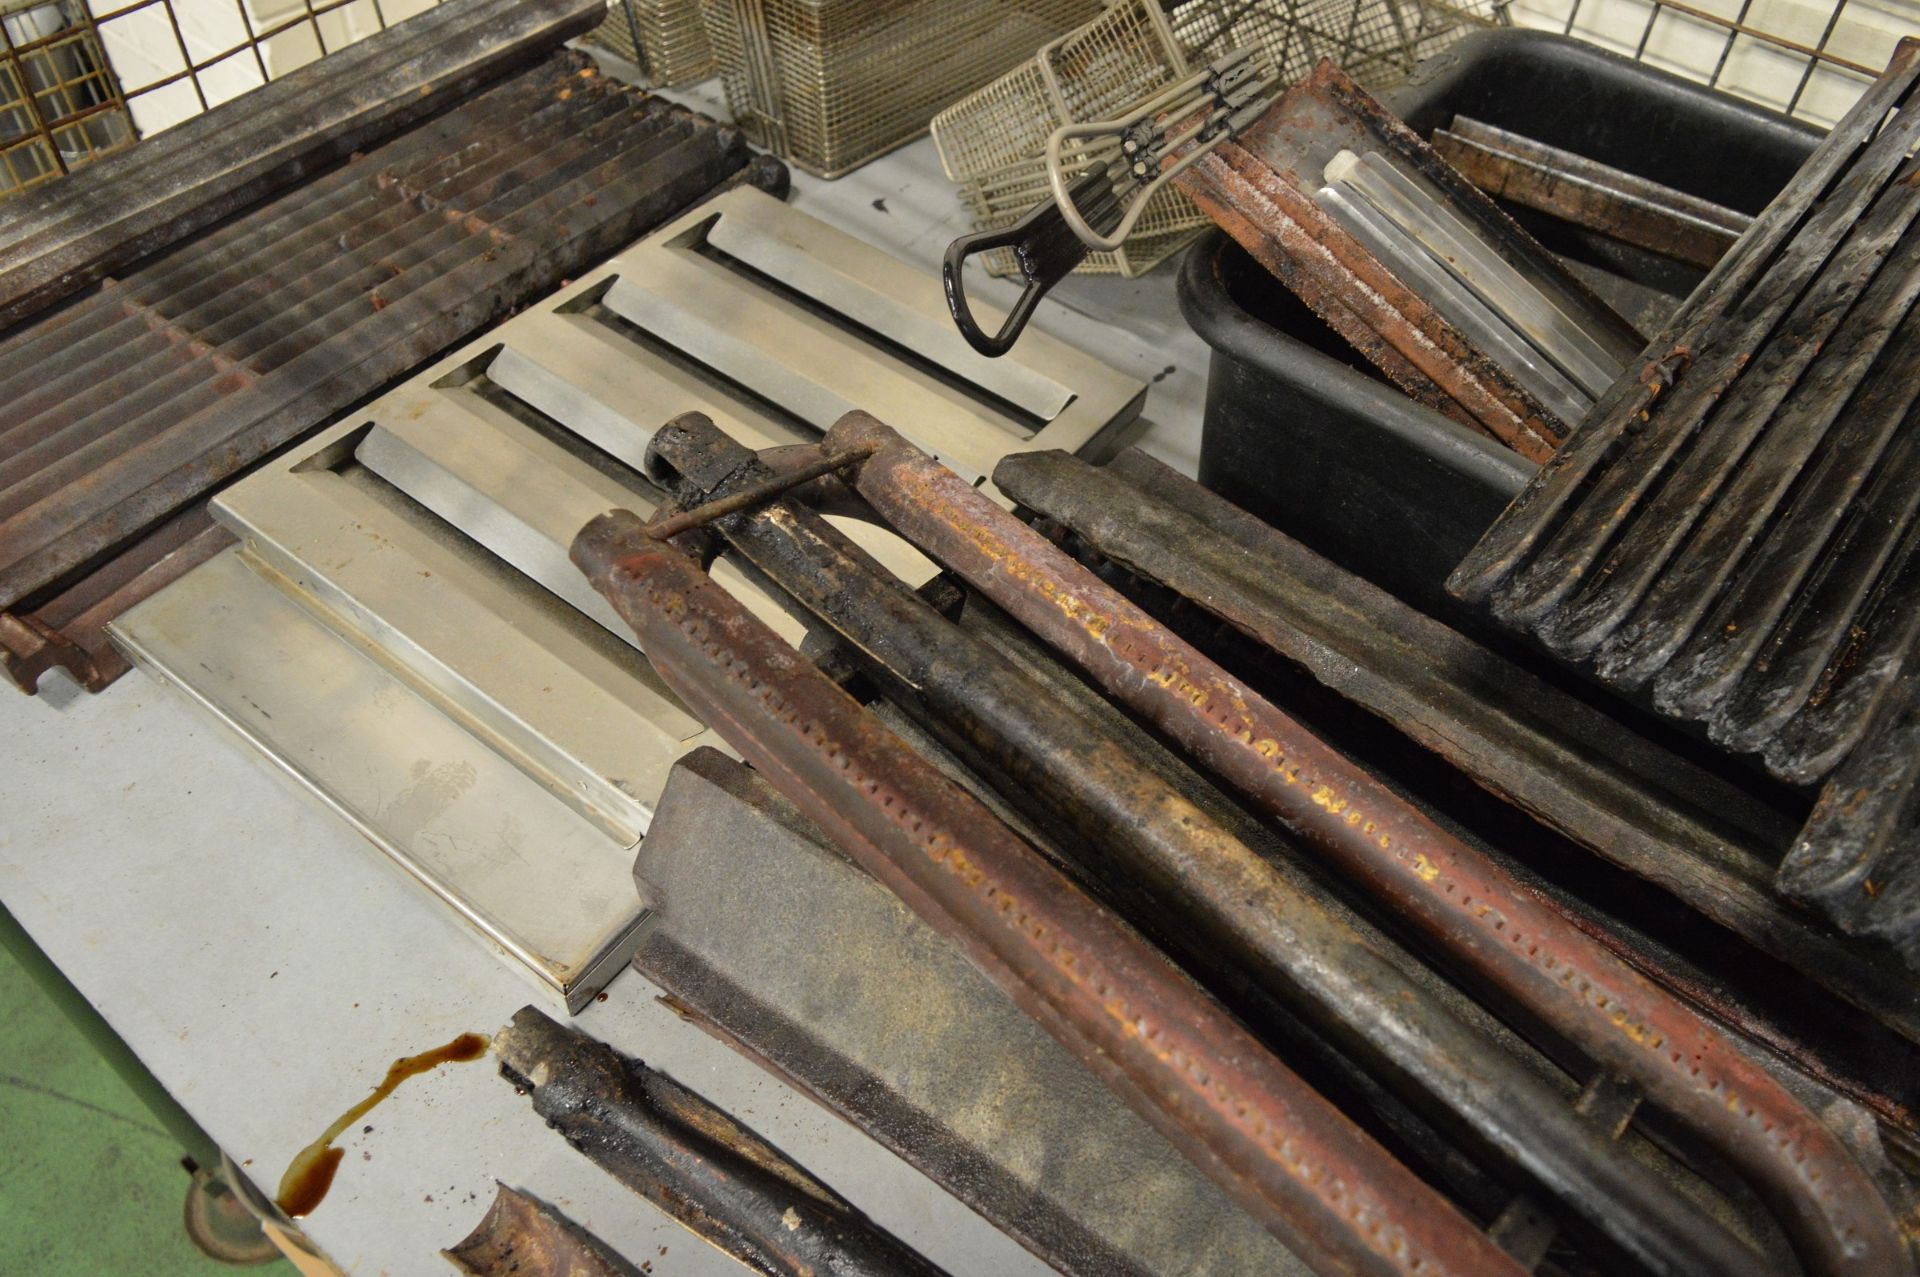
(1299, 428)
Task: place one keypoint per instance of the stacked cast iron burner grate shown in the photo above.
(1731, 532)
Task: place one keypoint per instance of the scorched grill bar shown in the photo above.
(1731, 534)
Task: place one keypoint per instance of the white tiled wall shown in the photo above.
(1690, 46)
(143, 49)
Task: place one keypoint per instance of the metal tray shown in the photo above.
(412, 621)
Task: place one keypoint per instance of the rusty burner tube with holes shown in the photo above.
(1234, 909)
(1311, 1177)
(693, 1159)
(1828, 1205)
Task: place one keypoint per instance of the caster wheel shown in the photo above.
(221, 1226)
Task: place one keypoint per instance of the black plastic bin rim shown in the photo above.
(1430, 96)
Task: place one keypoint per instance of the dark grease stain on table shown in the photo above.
(310, 1175)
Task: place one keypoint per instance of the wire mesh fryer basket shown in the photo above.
(831, 84)
(666, 39)
(992, 142)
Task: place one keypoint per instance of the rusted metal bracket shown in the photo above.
(1304, 1170)
(1239, 917)
(694, 1160)
(522, 1236)
(1471, 907)
(1590, 194)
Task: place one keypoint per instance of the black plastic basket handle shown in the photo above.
(1046, 250)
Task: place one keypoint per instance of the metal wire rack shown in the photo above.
(992, 142)
(1808, 60)
(666, 39)
(830, 84)
(78, 82)
(60, 105)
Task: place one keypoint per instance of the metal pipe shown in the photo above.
(1306, 1172)
(522, 1236)
(772, 484)
(1473, 908)
(1664, 819)
(1235, 911)
(693, 1160)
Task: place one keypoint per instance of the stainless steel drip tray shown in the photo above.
(402, 631)
(554, 893)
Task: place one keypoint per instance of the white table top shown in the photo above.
(267, 964)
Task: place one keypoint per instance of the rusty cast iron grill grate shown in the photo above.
(57, 240)
(1732, 530)
(129, 402)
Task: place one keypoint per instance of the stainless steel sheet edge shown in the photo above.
(535, 880)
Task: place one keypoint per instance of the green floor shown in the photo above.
(90, 1186)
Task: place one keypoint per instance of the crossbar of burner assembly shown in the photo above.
(669, 526)
(1306, 1172)
(1242, 919)
(1475, 910)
